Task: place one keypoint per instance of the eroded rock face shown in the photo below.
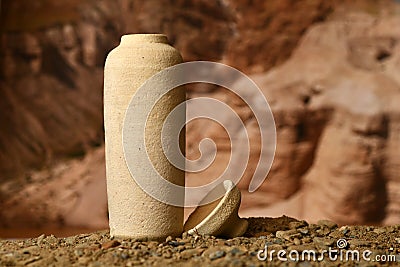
(52, 54)
(71, 194)
(234, 31)
(335, 103)
(352, 93)
(51, 74)
(51, 92)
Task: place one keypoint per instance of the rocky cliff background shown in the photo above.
(329, 69)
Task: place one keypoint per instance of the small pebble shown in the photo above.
(70, 240)
(52, 240)
(191, 253)
(304, 264)
(301, 248)
(152, 244)
(327, 223)
(78, 252)
(124, 256)
(297, 224)
(379, 231)
(167, 255)
(40, 239)
(322, 242)
(288, 235)
(358, 243)
(236, 251)
(344, 230)
(175, 243)
(297, 241)
(324, 231)
(304, 231)
(217, 254)
(110, 244)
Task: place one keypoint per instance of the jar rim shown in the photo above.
(144, 37)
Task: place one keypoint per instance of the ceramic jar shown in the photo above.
(132, 212)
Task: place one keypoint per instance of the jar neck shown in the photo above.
(130, 39)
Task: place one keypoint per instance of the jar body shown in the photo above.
(132, 212)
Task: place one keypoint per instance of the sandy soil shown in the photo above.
(283, 233)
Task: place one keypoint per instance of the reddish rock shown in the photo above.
(110, 244)
(335, 101)
(351, 90)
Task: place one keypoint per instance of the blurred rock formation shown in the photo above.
(332, 86)
(336, 107)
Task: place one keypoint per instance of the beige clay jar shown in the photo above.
(132, 212)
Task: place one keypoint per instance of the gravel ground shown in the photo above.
(295, 238)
